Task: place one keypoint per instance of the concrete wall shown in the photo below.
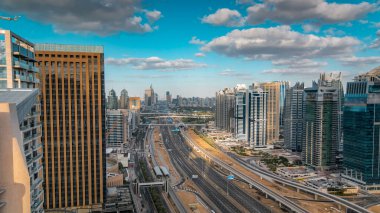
(14, 176)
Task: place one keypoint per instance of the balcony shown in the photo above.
(37, 182)
(36, 205)
(25, 66)
(31, 160)
(31, 137)
(36, 169)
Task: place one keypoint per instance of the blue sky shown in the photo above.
(196, 47)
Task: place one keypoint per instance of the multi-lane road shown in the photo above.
(212, 183)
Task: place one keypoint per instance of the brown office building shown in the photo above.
(72, 90)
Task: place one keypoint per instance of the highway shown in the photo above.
(341, 201)
(280, 198)
(214, 185)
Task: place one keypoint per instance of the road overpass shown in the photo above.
(279, 198)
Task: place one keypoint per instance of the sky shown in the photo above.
(197, 47)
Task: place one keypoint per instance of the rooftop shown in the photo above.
(23, 98)
(69, 48)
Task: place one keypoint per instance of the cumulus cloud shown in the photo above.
(302, 63)
(334, 32)
(292, 71)
(200, 55)
(360, 61)
(155, 63)
(244, 1)
(153, 15)
(310, 28)
(376, 43)
(101, 17)
(195, 40)
(232, 73)
(296, 11)
(224, 17)
(280, 43)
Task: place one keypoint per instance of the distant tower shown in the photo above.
(275, 106)
(293, 117)
(149, 98)
(168, 97)
(112, 100)
(123, 99)
(322, 121)
(224, 114)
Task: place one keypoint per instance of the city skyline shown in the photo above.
(161, 43)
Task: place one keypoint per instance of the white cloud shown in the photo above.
(200, 55)
(360, 61)
(195, 40)
(153, 15)
(225, 17)
(302, 63)
(310, 28)
(296, 11)
(232, 73)
(280, 43)
(155, 63)
(100, 17)
(292, 71)
(334, 32)
(376, 43)
(244, 1)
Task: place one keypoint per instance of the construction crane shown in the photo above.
(10, 18)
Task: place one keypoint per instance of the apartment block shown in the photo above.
(73, 105)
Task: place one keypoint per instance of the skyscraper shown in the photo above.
(72, 87)
(224, 113)
(293, 117)
(18, 70)
(275, 105)
(322, 121)
(112, 102)
(250, 115)
(168, 97)
(149, 98)
(116, 127)
(257, 117)
(361, 129)
(241, 115)
(124, 99)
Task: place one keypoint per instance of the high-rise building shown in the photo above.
(18, 70)
(112, 102)
(241, 115)
(20, 152)
(250, 115)
(224, 113)
(135, 103)
(117, 127)
(361, 130)
(257, 117)
(168, 97)
(293, 117)
(73, 97)
(322, 121)
(124, 99)
(149, 98)
(275, 106)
